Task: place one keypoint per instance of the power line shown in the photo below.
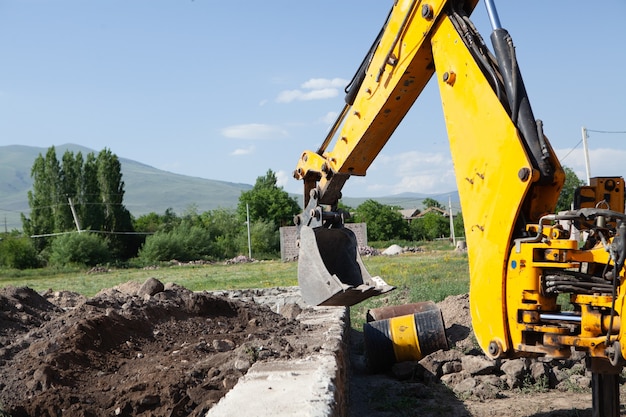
(572, 150)
(607, 131)
(91, 231)
(595, 131)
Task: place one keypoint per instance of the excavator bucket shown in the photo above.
(330, 269)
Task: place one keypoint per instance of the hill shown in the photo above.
(408, 200)
(147, 189)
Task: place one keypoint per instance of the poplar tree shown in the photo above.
(96, 190)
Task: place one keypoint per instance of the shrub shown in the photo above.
(79, 248)
(184, 243)
(264, 240)
(19, 253)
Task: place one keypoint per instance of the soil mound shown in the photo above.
(133, 350)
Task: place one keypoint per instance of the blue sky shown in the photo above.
(227, 90)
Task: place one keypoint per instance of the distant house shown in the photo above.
(443, 212)
(411, 214)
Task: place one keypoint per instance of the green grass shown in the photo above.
(194, 277)
(430, 275)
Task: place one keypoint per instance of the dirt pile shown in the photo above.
(134, 350)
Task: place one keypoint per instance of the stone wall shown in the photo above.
(289, 251)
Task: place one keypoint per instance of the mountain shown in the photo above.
(147, 189)
(408, 200)
(153, 190)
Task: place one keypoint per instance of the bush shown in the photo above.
(264, 240)
(184, 243)
(383, 222)
(430, 227)
(19, 253)
(79, 248)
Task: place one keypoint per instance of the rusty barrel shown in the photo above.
(406, 337)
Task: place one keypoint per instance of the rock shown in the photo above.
(583, 381)
(454, 379)
(151, 287)
(514, 370)
(465, 387)
(393, 250)
(451, 367)
(486, 391)
(478, 365)
(539, 371)
(229, 381)
(223, 345)
(242, 364)
(433, 363)
(150, 400)
(290, 310)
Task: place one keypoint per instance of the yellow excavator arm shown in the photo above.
(522, 255)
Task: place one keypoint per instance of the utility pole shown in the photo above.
(586, 150)
(248, 223)
(451, 222)
(74, 214)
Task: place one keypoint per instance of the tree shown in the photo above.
(70, 175)
(267, 201)
(89, 207)
(96, 190)
(264, 239)
(430, 226)
(153, 222)
(569, 188)
(431, 202)
(228, 232)
(43, 199)
(459, 225)
(383, 222)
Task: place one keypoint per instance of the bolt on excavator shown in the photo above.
(523, 256)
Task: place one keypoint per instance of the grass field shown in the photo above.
(430, 275)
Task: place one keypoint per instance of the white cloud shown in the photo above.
(329, 118)
(313, 89)
(288, 96)
(282, 178)
(243, 151)
(254, 131)
(417, 172)
(320, 83)
(603, 162)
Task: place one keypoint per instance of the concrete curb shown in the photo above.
(315, 386)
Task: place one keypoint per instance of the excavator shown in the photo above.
(525, 260)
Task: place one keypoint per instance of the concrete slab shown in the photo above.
(314, 386)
